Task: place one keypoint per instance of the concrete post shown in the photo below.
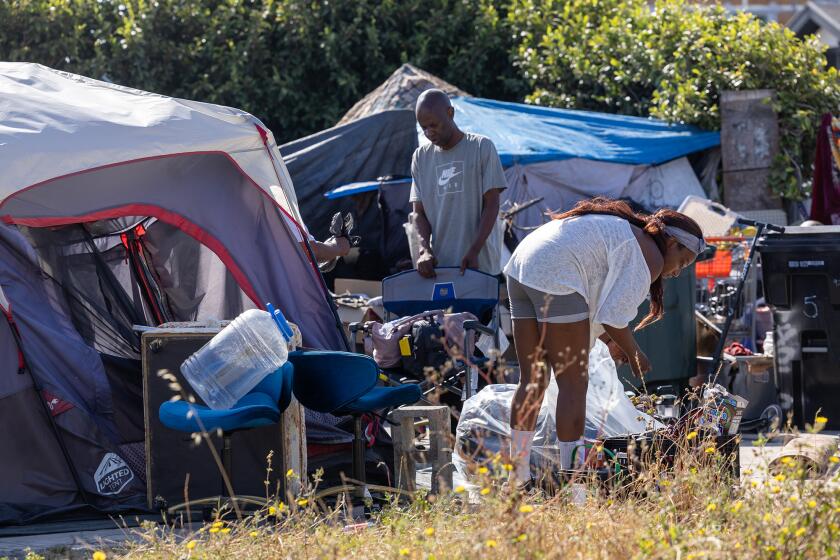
(749, 138)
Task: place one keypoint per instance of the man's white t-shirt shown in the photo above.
(451, 185)
(594, 255)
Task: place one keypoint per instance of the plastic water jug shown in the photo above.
(234, 361)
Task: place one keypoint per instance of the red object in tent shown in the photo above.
(737, 349)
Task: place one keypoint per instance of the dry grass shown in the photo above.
(695, 512)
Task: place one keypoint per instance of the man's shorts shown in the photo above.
(528, 303)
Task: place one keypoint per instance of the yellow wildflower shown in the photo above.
(302, 502)
(775, 489)
(459, 489)
(755, 483)
(801, 531)
(290, 473)
(711, 449)
(812, 504)
(508, 467)
(767, 517)
(794, 499)
(711, 507)
(272, 510)
(191, 545)
(786, 460)
(747, 472)
(834, 459)
(491, 543)
(691, 435)
(404, 552)
(430, 531)
(217, 524)
(99, 555)
(214, 530)
(254, 533)
(821, 420)
(736, 507)
(526, 508)
(226, 530)
(521, 538)
(780, 477)
(483, 470)
(485, 491)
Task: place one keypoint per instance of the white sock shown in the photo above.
(566, 450)
(520, 453)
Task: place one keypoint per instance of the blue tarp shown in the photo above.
(362, 187)
(529, 134)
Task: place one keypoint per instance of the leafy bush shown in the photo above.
(671, 61)
(297, 64)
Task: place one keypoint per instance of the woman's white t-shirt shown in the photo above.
(594, 255)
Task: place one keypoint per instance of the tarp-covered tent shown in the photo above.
(122, 207)
(565, 156)
(562, 156)
(376, 146)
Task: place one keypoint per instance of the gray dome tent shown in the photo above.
(121, 207)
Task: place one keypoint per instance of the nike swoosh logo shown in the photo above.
(445, 180)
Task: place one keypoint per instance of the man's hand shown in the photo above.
(327, 253)
(342, 245)
(426, 264)
(470, 260)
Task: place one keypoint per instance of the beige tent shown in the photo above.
(399, 91)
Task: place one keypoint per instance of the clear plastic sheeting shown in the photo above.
(484, 427)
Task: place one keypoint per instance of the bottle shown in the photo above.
(234, 361)
(769, 347)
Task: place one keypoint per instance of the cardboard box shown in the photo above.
(370, 288)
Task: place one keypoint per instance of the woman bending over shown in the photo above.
(580, 277)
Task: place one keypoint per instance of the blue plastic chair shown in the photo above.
(262, 406)
(344, 384)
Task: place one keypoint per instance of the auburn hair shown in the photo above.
(652, 224)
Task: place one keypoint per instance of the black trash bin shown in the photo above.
(801, 272)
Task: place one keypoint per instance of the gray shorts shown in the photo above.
(528, 303)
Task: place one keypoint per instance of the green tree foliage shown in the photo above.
(671, 60)
(298, 65)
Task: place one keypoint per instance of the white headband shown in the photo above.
(690, 241)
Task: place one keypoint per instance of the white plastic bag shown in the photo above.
(484, 427)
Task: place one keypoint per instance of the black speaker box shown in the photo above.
(177, 468)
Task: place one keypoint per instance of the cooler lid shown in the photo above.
(802, 239)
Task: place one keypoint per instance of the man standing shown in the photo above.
(457, 181)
